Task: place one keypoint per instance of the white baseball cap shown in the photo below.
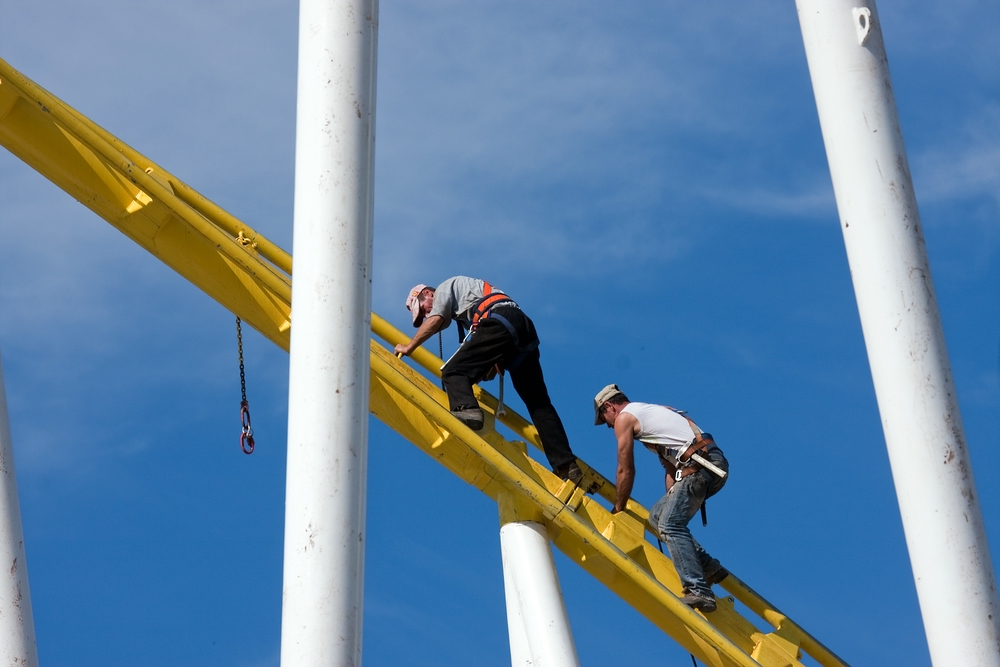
(413, 304)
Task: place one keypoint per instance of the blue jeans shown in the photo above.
(671, 514)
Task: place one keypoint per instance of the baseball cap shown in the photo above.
(602, 398)
(413, 304)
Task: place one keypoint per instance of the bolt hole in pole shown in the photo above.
(862, 23)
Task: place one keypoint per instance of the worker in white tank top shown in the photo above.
(675, 439)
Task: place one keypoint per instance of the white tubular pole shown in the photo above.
(17, 627)
(323, 590)
(902, 328)
(537, 624)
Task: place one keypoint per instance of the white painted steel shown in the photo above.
(517, 635)
(539, 630)
(331, 304)
(902, 328)
(17, 627)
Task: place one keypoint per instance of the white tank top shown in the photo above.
(661, 427)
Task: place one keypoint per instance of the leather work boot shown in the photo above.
(471, 417)
(699, 601)
(716, 575)
(570, 472)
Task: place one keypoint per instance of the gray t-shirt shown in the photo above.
(456, 299)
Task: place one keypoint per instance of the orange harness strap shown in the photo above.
(490, 299)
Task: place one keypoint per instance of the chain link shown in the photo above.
(246, 437)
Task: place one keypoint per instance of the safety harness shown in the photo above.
(482, 310)
(490, 300)
(485, 310)
(702, 441)
(683, 465)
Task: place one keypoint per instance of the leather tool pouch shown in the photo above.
(492, 373)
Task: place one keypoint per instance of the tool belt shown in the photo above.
(685, 466)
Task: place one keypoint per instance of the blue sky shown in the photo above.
(647, 179)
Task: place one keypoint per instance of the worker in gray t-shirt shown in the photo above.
(501, 337)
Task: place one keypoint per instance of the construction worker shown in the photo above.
(500, 338)
(674, 439)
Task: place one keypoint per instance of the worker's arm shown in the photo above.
(430, 326)
(625, 426)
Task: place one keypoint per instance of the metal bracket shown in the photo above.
(862, 23)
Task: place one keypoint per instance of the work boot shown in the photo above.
(715, 573)
(699, 601)
(471, 417)
(569, 471)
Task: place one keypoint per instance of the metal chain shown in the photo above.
(246, 437)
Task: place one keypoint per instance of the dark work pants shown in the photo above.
(492, 343)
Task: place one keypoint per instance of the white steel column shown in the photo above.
(331, 305)
(537, 624)
(902, 328)
(17, 627)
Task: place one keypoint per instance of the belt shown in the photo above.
(702, 443)
(687, 467)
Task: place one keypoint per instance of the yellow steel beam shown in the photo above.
(219, 255)
(250, 276)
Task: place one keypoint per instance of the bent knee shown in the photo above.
(674, 529)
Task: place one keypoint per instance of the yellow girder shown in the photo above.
(251, 277)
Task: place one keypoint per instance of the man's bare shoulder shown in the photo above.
(626, 423)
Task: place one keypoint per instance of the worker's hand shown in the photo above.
(616, 510)
(402, 349)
